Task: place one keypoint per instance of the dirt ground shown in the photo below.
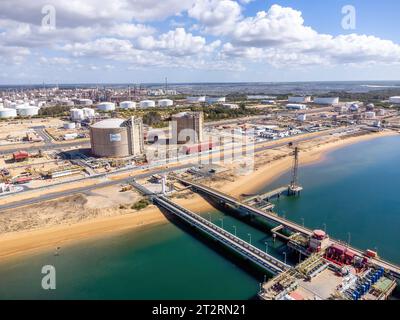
(105, 202)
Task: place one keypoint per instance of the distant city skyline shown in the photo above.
(198, 41)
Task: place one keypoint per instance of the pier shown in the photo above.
(243, 208)
(327, 268)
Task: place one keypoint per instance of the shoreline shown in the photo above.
(29, 243)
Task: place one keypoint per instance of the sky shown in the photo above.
(144, 41)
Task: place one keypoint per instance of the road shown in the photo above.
(60, 194)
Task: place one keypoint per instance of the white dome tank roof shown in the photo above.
(109, 124)
(8, 113)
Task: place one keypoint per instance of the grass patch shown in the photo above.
(141, 204)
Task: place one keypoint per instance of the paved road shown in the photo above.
(60, 194)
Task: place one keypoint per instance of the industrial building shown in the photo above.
(327, 101)
(187, 127)
(117, 138)
(295, 106)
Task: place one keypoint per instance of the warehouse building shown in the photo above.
(117, 138)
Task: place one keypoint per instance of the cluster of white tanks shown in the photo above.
(13, 110)
(82, 114)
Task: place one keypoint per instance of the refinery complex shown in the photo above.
(161, 146)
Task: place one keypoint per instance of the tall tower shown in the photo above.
(294, 187)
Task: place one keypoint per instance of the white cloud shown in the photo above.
(218, 17)
(177, 43)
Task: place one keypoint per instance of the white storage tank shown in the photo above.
(106, 106)
(299, 99)
(215, 100)
(8, 113)
(127, 105)
(85, 102)
(395, 100)
(88, 112)
(196, 99)
(27, 111)
(295, 106)
(302, 117)
(147, 104)
(77, 115)
(164, 103)
(327, 101)
(69, 125)
(370, 115)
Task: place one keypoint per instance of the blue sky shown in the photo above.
(143, 41)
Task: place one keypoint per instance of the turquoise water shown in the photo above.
(354, 190)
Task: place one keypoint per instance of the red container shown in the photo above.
(199, 148)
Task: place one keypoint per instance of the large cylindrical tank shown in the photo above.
(327, 101)
(77, 115)
(85, 102)
(165, 103)
(88, 112)
(110, 139)
(395, 100)
(127, 105)
(27, 111)
(147, 104)
(106, 106)
(8, 113)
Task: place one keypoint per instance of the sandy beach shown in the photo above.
(17, 244)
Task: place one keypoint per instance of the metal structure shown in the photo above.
(294, 187)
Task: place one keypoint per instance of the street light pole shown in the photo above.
(285, 256)
(325, 227)
(234, 227)
(266, 247)
(249, 234)
(349, 238)
(222, 222)
(302, 220)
